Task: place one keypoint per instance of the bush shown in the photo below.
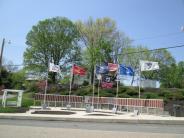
(132, 92)
(85, 83)
(13, 110)
(178, 96)
(124, 95)
(53, 88)
(31, 87)
(161, 94)
(168, 95)
(106, 94)
(85, 90)
(150, 95)
(27, 102)
(122, 89)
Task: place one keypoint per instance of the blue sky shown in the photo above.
(139, 19)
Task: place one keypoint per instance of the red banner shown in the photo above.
(78, 70)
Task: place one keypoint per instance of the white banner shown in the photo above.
(54, 68)
(148, 65)
(99, 76)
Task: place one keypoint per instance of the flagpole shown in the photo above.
(98, 92)
(139, 80)
(117, 89)
(71, 75)
(46, 85)
(92, 108)
(98, 88)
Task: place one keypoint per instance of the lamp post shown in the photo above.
(1, 56)
(2, 48)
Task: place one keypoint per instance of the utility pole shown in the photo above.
(1, 56)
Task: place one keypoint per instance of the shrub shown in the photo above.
(150, 95)
(86, 90)
(31, 87)
(27, 102)
(124, 95)
(13, 110)
(178, 96)
(132, 92)
(85, 83)
(52, 88)
(122, 89)
(106, 94)
(168, 95)
(41, 85)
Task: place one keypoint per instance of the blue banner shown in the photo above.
(124, 70)
(103, 69)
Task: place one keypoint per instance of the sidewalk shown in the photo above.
(82, 116)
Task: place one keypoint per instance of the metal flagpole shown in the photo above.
(92, 107)
(71, 75)
(99, 87)
(117, 89)
(139, 80)
(98, 93)
(46, 85)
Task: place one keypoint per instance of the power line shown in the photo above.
(156, 49)
(157, 36)
(171, 47)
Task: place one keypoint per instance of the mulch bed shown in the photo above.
(54, 112)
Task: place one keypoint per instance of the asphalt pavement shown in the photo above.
(33, 128)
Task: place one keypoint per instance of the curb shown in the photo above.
(96, 120)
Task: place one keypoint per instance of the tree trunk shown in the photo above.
(92, 74)
(73, 77)
(53, 77)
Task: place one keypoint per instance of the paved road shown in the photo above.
(61, 129)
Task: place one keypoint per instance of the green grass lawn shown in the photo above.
(13, 109)
(27, 101)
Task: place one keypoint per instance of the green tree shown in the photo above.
(121, 44)
(173, 76)
(180, 80)
(168, 76)
(18, 79)
(5, 79)
(132, 55)
(97, 37)
(55, 38)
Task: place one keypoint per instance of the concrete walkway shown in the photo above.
(82, 116)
